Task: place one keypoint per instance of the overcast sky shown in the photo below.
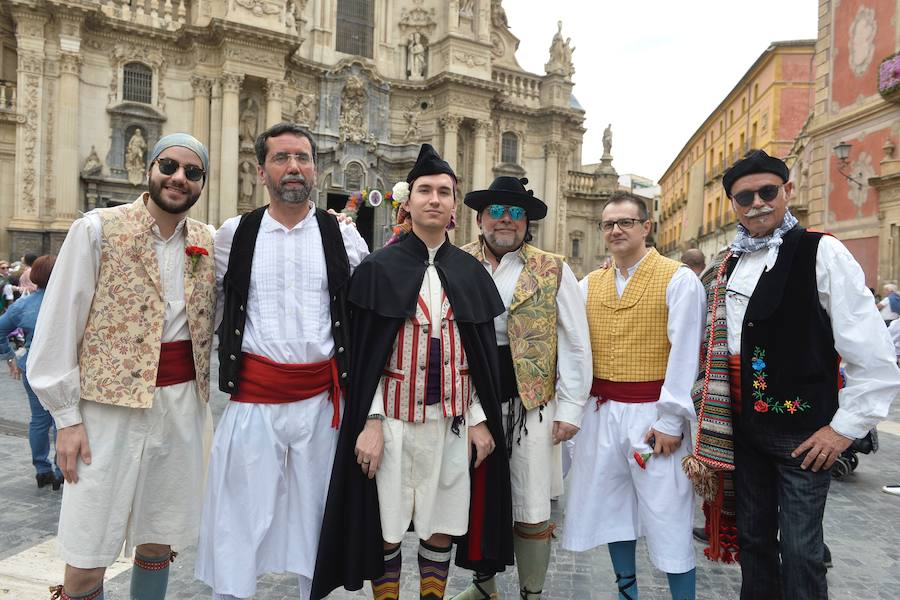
(655, 69)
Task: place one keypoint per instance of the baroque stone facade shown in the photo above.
(87, 87)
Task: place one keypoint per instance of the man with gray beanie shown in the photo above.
(786, 306)
(120, 358)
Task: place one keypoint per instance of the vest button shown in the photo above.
(334, 298)
(231, 384)
(237, 332)
(337, 323)
(341, 350)
(424, 328)
(241, 308)
(750, 324)
(344, 375)
(233, 357)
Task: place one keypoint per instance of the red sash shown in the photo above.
(267, 382)
(734, 381)
(630, 392)
(176, 363)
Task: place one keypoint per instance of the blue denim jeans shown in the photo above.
(774, 495)
(39, 432)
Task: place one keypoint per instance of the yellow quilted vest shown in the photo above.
(629, 337)
(532, 323)
(120, 351)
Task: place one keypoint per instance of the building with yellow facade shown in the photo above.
(766, 109)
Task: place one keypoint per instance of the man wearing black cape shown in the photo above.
(422, 410)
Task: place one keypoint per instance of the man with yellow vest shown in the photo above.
(120, 358)
(545, 373)
(645, 316)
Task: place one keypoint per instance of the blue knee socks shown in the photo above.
(150, 577)
(622, 555)
(683, 586)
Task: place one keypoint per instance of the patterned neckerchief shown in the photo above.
(743, 243)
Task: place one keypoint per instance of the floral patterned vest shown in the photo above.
(531, 323)
(120, 350)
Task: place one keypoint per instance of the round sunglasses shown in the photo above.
(766, 193)
(168, 166)
(516, 213)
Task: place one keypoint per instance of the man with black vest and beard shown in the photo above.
(785, 306)
(282, 272)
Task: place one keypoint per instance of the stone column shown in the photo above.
(551, 186)
(66, 143)
(201, 88)
(451, 133)
(215, 153)
(479, 168)
(30, 125)
(274, 96)
(228, 179)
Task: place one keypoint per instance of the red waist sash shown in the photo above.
(630, 392)
(267, 382)
(176, 363)
(734, 381)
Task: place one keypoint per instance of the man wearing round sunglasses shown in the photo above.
(120, 358)
(786, 306)
(545, 375)
(645, 316)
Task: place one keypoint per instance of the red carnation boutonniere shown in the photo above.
(194, 253)
(642, 456)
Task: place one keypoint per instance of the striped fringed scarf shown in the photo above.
(710, 467)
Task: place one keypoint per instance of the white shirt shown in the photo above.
(860, 336)
(884, 307)
(894, 330)
(53, 369)
(686, 302)
(288, 308)
(573, 350)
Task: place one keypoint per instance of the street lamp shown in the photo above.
(842, 152)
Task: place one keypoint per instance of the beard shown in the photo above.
(293, 195)
(169, 206)
(505, 243)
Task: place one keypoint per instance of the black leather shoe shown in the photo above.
(828, 562)
(58, 482)
(700, 535)
(44, 479)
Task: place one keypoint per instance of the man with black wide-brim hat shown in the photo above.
(423, 395)
(545, 373)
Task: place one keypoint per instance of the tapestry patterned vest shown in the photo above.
(120, 351)
(531, 323)
(404, 380)
(629, 337)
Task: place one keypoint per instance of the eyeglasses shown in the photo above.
(282, 158)
(766, 193)
(516, 213)
(167, 166)
(623, 224)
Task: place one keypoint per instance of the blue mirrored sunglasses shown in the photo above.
(516, 213)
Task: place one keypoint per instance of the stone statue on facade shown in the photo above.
(498, 15)
(134, 157)
(560, 55)
(290, 19)
(304, 114)
(353, 106)
(411, 120)
(92, 165)
(607, 140)
(416, 61)
(467, 8)
(247, 182)
(248, 124)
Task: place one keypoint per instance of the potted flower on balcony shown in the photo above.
(889, 78)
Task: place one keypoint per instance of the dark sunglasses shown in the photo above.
(516, 213)
(167, 166)
(767, 193)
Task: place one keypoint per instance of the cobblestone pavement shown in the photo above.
(862, 527)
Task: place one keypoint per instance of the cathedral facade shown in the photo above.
(88, 86)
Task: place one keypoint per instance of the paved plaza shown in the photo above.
(862, 527)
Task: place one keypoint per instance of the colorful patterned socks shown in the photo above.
(532, 547)
(150, 577)
(58, 593)
(434, 566)
(387, 587)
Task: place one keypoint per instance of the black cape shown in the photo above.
(382, 295)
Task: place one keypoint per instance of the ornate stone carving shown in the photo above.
(418, 19)
(275, 90)
(451, 123)
(134, 157)
(469, 60)
(416, 58)
(552, 148)
(29, 24)
(498, 48)
(253, 56)
(560, 55)
(231, 83)
(304, 114)
(249, 121)
(352, 122)
(259, 8)
(498, 15)
(411, 114)
(92, 165)
(862, 40)
(201, 86)
(482, 128)
(29, 103)
(247, 181)
(125, 52)
(70, 63)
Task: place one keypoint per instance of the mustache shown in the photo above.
(755, 212)
(292, 179)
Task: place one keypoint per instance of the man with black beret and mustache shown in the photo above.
(282, 272)
(785, 306)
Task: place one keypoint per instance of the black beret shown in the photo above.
(429, 162)
(755, 162)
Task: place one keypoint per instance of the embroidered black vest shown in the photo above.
(236, 284)
(789, 367)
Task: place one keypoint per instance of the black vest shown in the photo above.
(789, 367)
(236, 284)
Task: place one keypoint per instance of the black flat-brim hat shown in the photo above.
(509, 191)
(755, 162)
